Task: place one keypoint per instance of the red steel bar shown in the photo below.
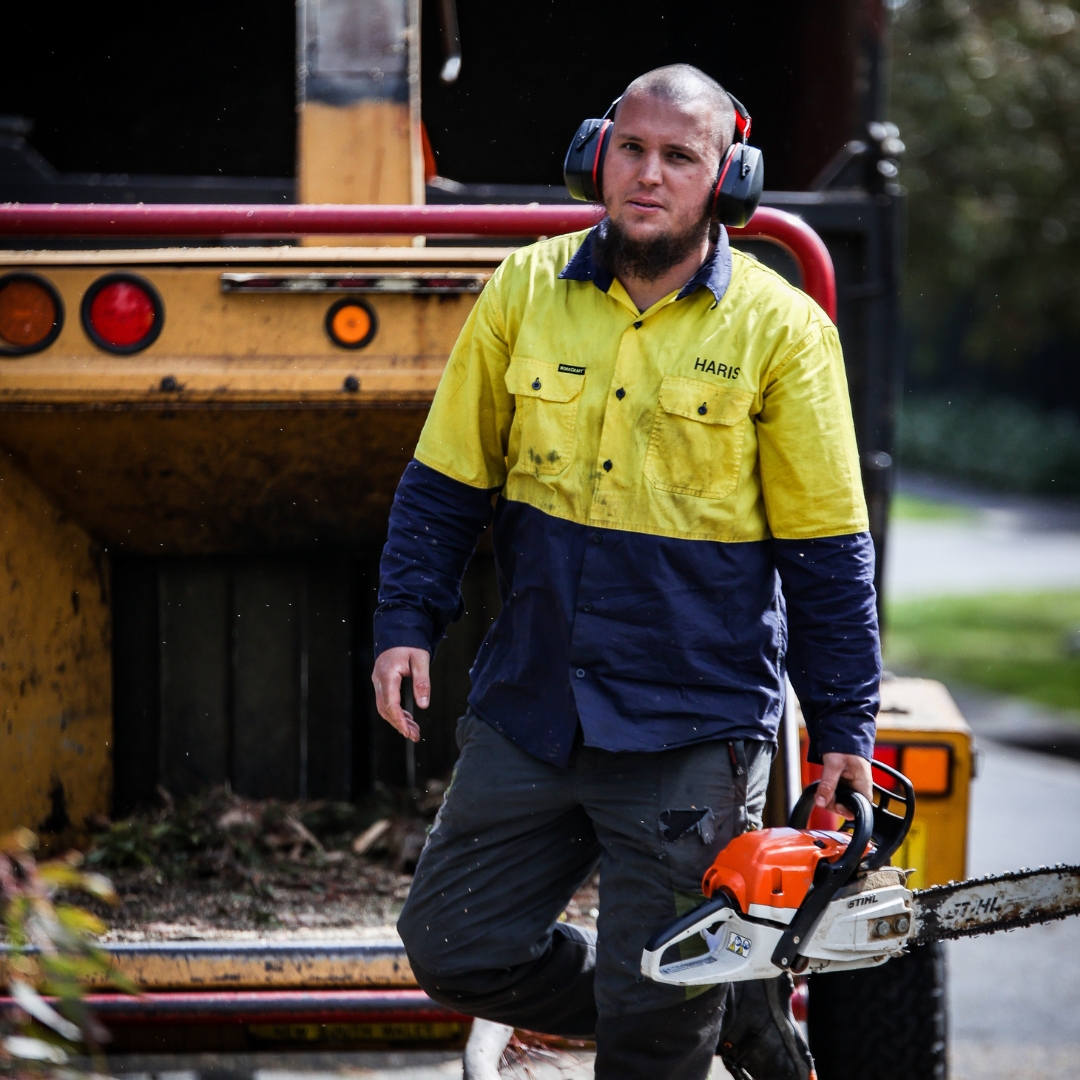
(95, 219)
(805, 247)
(267, 1007)
(92, 219)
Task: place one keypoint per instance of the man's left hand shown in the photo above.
(851, 768)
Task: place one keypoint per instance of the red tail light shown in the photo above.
(887, 754)
(31, 314)
(122, 313)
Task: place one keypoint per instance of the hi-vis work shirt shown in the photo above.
(678, 494)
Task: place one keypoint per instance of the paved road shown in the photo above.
(1014, 998)
(1007, 544)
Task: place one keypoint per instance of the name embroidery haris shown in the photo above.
(714, 367)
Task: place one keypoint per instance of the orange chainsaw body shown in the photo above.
(771, 868)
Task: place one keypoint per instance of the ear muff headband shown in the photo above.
(743, 122)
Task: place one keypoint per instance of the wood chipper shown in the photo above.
(210, 384)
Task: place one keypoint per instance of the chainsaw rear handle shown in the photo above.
(889, 829)
(829, 878)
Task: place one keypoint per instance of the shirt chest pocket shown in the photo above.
(696, 443)
(546, 409)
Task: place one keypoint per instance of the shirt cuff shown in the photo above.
(856, 736)
(402, 626)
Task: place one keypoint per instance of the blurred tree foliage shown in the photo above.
(987, 96)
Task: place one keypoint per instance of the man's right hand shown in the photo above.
(391, 667)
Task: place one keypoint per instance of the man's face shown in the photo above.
(660, 168)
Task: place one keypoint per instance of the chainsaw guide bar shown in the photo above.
(996, 902)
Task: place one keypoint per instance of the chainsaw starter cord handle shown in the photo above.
(829, 878)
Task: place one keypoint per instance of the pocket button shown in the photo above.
(536, 384)
(703, 409)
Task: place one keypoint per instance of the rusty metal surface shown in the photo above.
(55, 666)
(259, 965)
(266, 1007)
(997, 902)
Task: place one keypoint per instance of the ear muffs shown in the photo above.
(739, 182)
(583, 168)
(738, 185)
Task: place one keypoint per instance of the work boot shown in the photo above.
(484, 1050)
(760, 1039)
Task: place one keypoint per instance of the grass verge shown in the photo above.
(1027, 645)
(907, 507)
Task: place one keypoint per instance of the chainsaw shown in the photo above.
(804, 900)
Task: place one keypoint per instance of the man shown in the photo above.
(663, 428)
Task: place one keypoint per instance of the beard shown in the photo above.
(651, 259)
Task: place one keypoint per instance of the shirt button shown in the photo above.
(703, 408)
(637, 326)
(607, 465)
(536, 384)
(586, 607)
(580, 673)
(620, 393)
(597, 538)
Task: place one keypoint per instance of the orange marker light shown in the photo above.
(31, 314)
(351, 323)
(929, 769)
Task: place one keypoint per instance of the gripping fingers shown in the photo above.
(851, 768)
(390, 668)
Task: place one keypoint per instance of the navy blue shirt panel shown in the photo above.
(645, 641)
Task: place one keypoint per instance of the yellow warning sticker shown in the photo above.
(911, 854)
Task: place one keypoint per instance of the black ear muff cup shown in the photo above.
(739, 185)
(583, 169)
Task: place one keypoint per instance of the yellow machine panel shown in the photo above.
(242, 429)
(920, 717)
(55, 665)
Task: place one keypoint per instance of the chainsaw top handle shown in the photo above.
(829, 878)
(889, 829)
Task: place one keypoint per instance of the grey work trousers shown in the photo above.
(516, 837)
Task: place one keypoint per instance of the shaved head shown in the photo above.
(691, 89)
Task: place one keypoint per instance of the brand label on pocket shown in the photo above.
(571, 370)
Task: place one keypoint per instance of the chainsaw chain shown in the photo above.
(930, 931)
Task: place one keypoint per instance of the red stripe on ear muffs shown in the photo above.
(742, 118)
(601, 137)
(729, 157)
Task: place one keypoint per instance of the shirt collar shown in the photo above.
(714, 273)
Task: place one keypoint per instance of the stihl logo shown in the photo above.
(862, 901)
